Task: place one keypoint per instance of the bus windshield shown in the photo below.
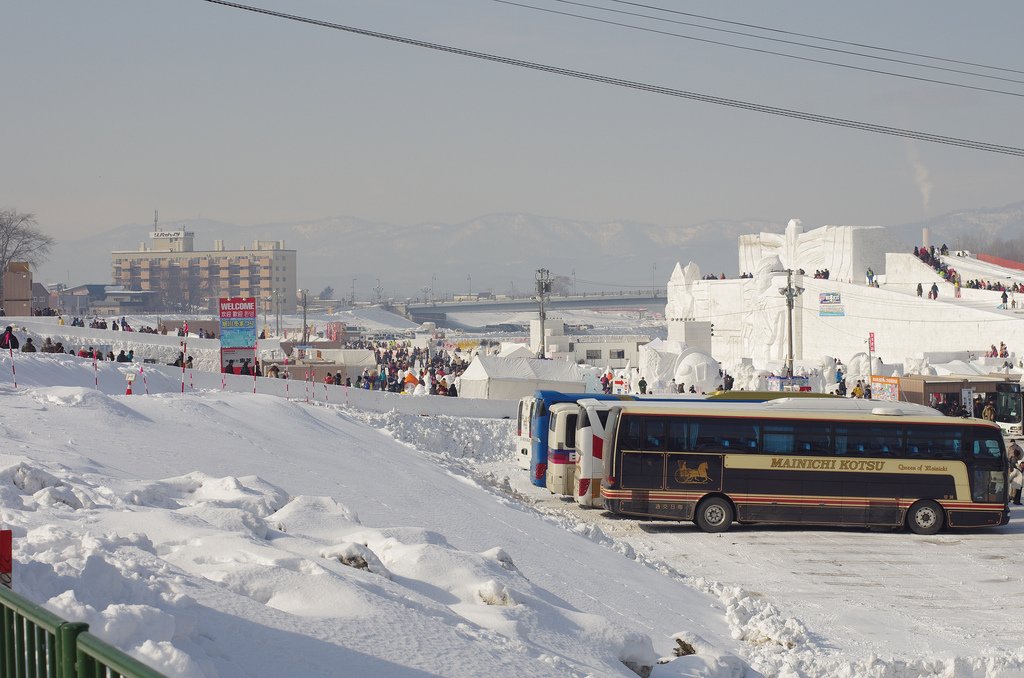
(1008, 407)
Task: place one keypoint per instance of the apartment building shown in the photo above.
(188, 280)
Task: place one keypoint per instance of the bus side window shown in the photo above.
(570, 431)
(986, 445)
(723, 436)
(654, 433)
(629, 433)
(841, 440)
(813, 437)
(677, 440)
(778, 438)
(874, 440)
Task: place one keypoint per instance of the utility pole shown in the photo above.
(352, 295)
(654, 280)
(277, 295)
(791, 293)
(305, 327)
(543, 289)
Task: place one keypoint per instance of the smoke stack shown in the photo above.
(924, 236)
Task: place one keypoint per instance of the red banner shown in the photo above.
(6, 558)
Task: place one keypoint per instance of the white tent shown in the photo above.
(513, 350)
(498, 378)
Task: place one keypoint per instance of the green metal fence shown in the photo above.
(35, 643)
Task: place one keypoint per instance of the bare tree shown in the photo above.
(21, 240)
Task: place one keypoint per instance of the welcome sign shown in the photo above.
(830, 304)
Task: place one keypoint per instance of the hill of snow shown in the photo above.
(225, 534)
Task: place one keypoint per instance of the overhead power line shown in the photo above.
(646, 87)
(816, 37)
(762, 51)
(796, 43)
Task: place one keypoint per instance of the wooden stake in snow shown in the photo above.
(14, 373)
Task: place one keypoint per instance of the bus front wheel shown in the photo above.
(925, 517)
(714, 515)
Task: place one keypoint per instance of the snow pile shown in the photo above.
(484, 440)
(207, 574)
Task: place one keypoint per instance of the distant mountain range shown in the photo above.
(497, 252)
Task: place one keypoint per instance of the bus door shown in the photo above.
(987, 473)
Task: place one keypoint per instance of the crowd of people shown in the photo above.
(400, 366)
(930, 256)
(9, 340)
(1001, 352)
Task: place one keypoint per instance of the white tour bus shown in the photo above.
(524, 431)
(851, 462)
(592, 439)
(562, 447)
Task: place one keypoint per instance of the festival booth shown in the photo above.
(498, 378)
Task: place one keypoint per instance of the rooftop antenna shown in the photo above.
(156, 219)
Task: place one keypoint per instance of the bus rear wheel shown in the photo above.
(714, 514)
(925, 517)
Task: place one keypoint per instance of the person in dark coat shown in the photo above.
(28, 346)
(452, 391)
(230, 367)
(245, 367)
(8, 340)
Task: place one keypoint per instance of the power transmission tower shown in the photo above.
(543, 290)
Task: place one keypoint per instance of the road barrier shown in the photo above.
(35, 643)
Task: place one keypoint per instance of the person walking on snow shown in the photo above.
(8, 340)
(1016, 456)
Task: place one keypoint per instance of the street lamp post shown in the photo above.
(266, 309)
(790, 293)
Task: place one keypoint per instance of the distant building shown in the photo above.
(17, 289)
(595, 350)
(186, 280)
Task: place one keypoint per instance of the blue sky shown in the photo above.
(114, 108)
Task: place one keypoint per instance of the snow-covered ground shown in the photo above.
(224, 534)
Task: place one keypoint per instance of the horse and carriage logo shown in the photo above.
(686, 475)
